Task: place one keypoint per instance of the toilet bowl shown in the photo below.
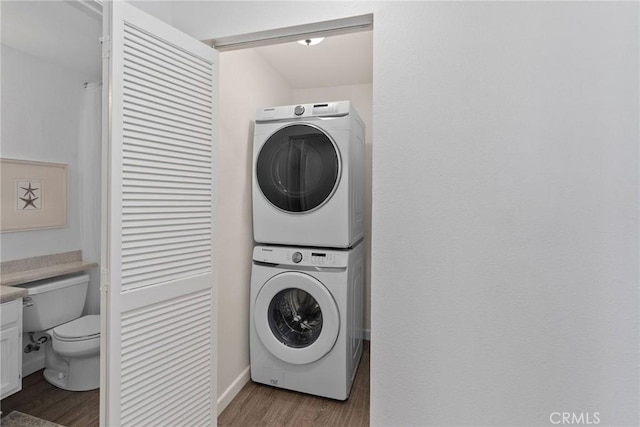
(72, 352)
(72, 356)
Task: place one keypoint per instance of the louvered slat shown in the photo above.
(164, 244)
(166, 66)
(138, 225)
(167, 119)
(135, 94)
(163, 69)
(144, 164)
(140, 47)
(179, 340)
(159, 181)
(161, 108)
(164, 366)
(176, 219)
(152, 134)
(133, 119)
(136, 130)
(174, 118)
(140, 141)
(160, 275)
(159, 398)
(138, 85)
(159, 189)
(172, 340)
(177, 231)
(159, 82)
(187, 417)
(164, 49)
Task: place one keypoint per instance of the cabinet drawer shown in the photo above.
(10, 312)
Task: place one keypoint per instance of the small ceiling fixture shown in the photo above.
(311, 42)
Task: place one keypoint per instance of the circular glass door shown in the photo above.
(296, 318)
(298, 168)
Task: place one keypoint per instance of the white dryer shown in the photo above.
(306, 318)
(308, 175)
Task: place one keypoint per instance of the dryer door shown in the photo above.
(296, 318)
(298, 168)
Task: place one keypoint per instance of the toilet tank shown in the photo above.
(52, 302)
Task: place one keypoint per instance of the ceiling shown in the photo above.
(64, 32)
(67, 33)
(337, 61)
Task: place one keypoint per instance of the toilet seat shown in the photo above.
(78, 338)
(81, 329)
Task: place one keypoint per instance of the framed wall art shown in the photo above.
(34, 195)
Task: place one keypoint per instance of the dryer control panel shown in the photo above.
(301, 257)
(287, 112)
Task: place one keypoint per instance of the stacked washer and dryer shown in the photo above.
(308, 266)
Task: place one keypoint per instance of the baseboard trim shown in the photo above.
(244, 377)
(232, 391)
(32, 365)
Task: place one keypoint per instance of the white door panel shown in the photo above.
(158, 302)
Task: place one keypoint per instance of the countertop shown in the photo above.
(8, 293)
(27, 270)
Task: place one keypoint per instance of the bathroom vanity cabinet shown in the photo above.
(10, 347)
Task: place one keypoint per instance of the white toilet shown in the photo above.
(72, 353)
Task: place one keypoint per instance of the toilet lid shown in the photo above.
(82, 327)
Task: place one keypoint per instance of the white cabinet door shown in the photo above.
(158, 304)
(10, 348)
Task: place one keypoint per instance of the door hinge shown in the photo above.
(106, 47)
(104, 280)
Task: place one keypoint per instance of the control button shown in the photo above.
(296, 257)
(299, 110)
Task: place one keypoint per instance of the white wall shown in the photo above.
(40, 121)
(505, 213)
(361, 97)
(249, 83)
(505, 204)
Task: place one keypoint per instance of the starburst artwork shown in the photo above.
(33, 195)
(29, 195)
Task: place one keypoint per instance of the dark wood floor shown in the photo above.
(40, 399)
(255, 405)
(261, 405)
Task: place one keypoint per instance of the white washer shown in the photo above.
(306, 318)
(308, 175)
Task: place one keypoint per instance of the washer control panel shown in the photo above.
(301, 257)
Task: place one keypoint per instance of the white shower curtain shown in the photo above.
(90, 167)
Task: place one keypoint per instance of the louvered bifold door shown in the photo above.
(159, 294)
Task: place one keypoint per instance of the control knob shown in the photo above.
(296, 257)
(299, 110)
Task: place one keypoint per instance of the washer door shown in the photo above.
(296, 318)
(298, 168)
